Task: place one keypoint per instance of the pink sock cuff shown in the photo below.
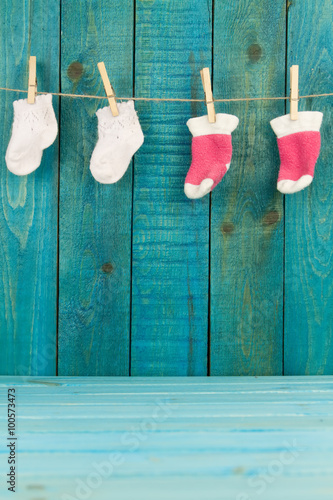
(308, 121)
(225, 124)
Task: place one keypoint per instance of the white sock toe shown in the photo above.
(194, 191)
(287, 186)
(25, 163)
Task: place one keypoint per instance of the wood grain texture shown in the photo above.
(95, 219)
(181, 438)
(28, 212)
(212, 264)
(247, 211)
(170, 232)
(309, 221)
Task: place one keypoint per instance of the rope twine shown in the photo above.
(167, 99)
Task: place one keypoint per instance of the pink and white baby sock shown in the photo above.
(119, 137)
(211, 153)
(299, 147)
(34, 129)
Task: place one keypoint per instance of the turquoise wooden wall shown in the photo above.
(134, 278)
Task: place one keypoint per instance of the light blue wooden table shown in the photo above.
(173, 438)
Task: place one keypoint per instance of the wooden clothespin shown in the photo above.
(32, 88)
(108, 89)
(207, 86)
(294, 93)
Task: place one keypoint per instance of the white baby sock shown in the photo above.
(119, 137)
(34, 129)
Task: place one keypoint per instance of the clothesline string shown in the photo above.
(168, 99)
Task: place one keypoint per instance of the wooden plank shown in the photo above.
(265, 387)
(170, 232)
(28, 213)
(247, 211)
(190, 445)
(178, 487)
(95, 219)
(309, 222)
(273, 383)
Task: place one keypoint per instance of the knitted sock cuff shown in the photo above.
(42, 102)
(225, 124)
(126, 122)
(308, 121)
